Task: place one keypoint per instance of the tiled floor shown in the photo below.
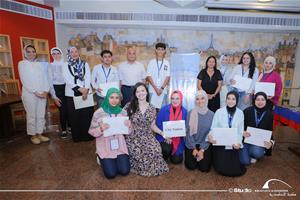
(64, 165)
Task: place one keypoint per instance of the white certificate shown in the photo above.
(156, 101)
(225, 136)
(258, 136)
(80, 103)
(174, 129)
(116, 126)
(268, 88)
(242, 83)
(106, 86)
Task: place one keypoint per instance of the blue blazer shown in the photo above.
(163, 116)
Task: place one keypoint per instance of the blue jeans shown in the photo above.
(113, 166)
(250, 151)
(241, 104)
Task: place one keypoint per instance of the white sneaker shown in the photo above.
(98, 160)
(253, 160)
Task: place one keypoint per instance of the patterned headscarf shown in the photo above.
(77, 64)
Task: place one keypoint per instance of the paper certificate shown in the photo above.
(156, 101)
(242, 83)
(116, 126)
(174, 129)
(80, 103)
(224, 136)
(258, 136)
(106, 86)
(268, 88)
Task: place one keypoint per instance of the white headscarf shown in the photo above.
(60, 51)
(273, 61)
(25, 52)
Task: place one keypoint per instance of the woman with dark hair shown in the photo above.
(171, 147)
(35, 88)
(246, 68)
(269, 75)
(257, 116)
(145, 152)
(210, 80)
(78, 84)
(226, 159)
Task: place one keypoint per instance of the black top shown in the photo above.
(208, 84)
(266, 122)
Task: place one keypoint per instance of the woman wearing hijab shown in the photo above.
(198, 123)
(112, 150)
(57, 87)
(257, 116)
(171, 147)
(226, 74)
(269, 75)
(35, 88)
(78, 83)
(226, 158)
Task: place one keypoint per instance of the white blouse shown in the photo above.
(70, 83)
(220, 121)
(33, 76)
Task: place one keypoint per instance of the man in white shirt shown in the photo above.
(131, 72)
(158, 75)
(103, 74)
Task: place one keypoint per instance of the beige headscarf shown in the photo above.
(194, 114)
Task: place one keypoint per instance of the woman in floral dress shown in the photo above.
(144, 150)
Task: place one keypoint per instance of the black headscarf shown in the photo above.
(232, 110)
(260, 110)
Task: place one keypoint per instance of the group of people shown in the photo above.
(145, 150)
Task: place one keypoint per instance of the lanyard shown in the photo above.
(230, 120)
(159, 67)
(258, 120)
(106, 75)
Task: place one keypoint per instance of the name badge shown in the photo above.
(114, 144)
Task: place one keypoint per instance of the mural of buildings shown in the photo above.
(281, 46)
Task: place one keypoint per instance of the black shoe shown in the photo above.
(63, 135)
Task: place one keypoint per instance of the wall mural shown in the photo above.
(282, 46)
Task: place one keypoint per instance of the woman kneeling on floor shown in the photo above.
(171, 147)
(257, 116)
(226, 158)
(112, 150)
(198, 123)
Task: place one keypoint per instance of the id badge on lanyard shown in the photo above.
(114, 144)
(159, 79)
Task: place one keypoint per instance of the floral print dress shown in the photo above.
(145, 152)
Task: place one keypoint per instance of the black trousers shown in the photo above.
(127, 93)
(80, 121)
(167, 153)
(203, 165)
(227, 162)
(63, 111)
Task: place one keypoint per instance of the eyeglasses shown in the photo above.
(30, 51)
(55, 53)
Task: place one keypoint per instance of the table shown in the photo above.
(287, 117)
(290, 118)
(6, 123)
